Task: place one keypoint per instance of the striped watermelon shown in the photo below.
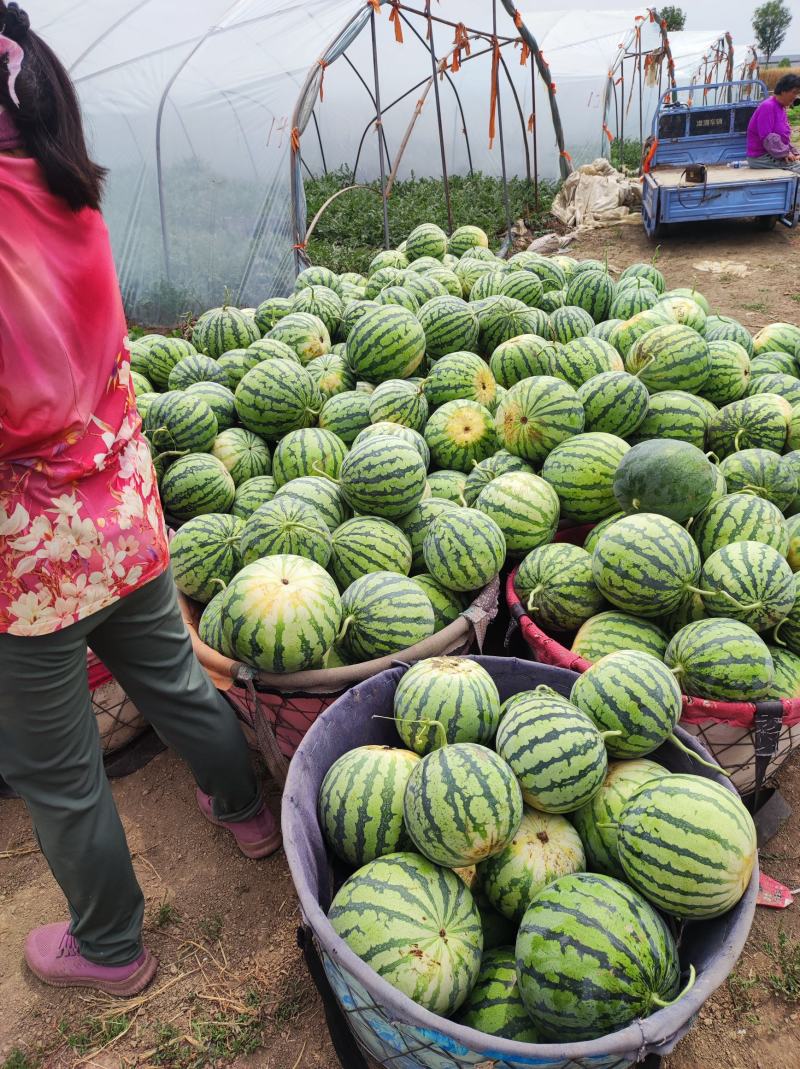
(614, 402)
(281, 614)
(384, 613)
(569, 322)
(594, 535)
(688, 844)
(633, 694)
(611, 631)
(684, 310)
(723, 328)
(285, 526)
(460, 376)
(383, 475)
(742, 517)
(352, 313)
(760, 422)
(671, 357)
(386, 343)
(606, 331)
(495, 1006)
(691, 294)
(556, 752)
(748, 581)
(277, 397)
(467, 238)
(204, 555)
(583, 358)
(322, 494)
(196, 368)
(209, 627)
(251, 494)
(243, 453)
(551, 300)
(545, 847)
(631, 299)
(648, 272)
(556, 586)
(332, 375)
(161, 356)
(776, 363)
(388, 258)
(593, 291)
(396, 430)
(597, 821)
(448, 485)
(345, 414)
(786, 683)
(178, 422)
(367, 544)
(322, 302)
(545, 268)
(793, 552)
(522, 286)
(382, 279)
(222, 329)
(427, 239)
(506, 318)
(645, 564)
(783, 337)
(361, 803)
(270, 311)
(268, 349)
(310, 451)
(450, 326)
(140, 384)
(196, 485)
(761, 472)
(464, 549)
(501, 463)
(581, 470)
(521, 358)
(317, 276)
(423, 287)
(398, 295)
(462, 804)
(567, 264)
(677, 415)
(399, 401)
(524, 507)
(416, 524)
(536, 415)
(488, 284)
(456, 694)
(371, 912)
(303, 332)
(788, 630)
(446, 278)
(460, 434)
(468, 271)
(613, 957)
(137, 354)
(729, 377)
(786, 386)
(674, 479)
(218, 398)
(629, 331)
(143, 402)
(720, 658)
(447, 605)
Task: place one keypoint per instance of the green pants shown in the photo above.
(50, 751)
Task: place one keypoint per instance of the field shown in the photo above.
(232, 989)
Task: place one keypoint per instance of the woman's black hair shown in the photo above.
(49, 116)
(787, 83)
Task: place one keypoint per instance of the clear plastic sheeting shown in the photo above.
(194, 108)
(701, 56)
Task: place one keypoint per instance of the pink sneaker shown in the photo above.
(53, 955)
(258, 837)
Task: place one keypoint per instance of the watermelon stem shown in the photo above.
(725, 594)
(317, 467)
(344, 629)
(737, 438)
(609, 734)
(690, 753)
(175, 453)
(529, 605)
(690, 984)
(778, 626)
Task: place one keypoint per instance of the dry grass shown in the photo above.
(772, 75)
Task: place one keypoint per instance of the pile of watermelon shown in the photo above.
(515, 867)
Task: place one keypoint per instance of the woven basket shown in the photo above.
(277, 710)
(750, 740)
(118, 719)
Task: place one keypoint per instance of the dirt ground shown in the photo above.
(232, 988)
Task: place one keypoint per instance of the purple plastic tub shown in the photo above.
(392, 1031)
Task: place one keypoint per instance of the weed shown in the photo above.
(211, 927)
(626, 155)
(785, 981)
(93, 1032)
(166, 914)
(293, 1000)
(212, 1040)
(18, 1059)
(740, 988)
(795, 297)
(755, 306)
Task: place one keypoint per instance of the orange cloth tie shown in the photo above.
(494, 90)
(398, 25)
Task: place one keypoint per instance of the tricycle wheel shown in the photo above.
(766, 222)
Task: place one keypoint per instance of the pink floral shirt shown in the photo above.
(80, 519)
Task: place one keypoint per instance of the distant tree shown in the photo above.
(785, 62)
(770, 23)
(673, 17)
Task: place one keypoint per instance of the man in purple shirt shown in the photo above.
(768, 132)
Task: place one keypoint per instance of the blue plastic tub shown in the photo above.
(391, 1030)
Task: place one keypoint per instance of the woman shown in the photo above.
(769, 136)
(83, 552)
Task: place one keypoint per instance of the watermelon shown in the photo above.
(786, 386)
(464, 549)
(684, 310)
(673, 479)
(468, 271)
(266, 349)
(332, 375)
(137, 354)
(423, 287)
(196, 485)
(611, 631)
(368, 544)
(507, 318)
(631, 299)
(427, 239)
(218, 398)
(383, 475)
(460, 434)
(270, 311)
(462, 804)
(501, 463)
(614, 402)
(720, 658)
(592, 957)
(761, 472)
(748, 581)
(556, 587)
(196, 368)
(361, 803)
(729, 377)
(568, 323)
(416, 524)
(467, 238)
(140, 384)
(536, 415)
(416, 925)
(460, 376)
(786, 683)
(522, 286)
(382, 279)
(788, 631)
(386, 343)
(277, 397)
(322, 494)
(179, 422)
(783, 337)
(448, 485)
(581, 470)
(742, 517)
(676, 415)
(398, 295)
(285, 526)
(303, 332)
(593, 536)
(204, 555)
(488, 284)
(545, 847)
(315, 276)
(322, 302)
(251, 494)
(773, 363)
(447, 605)
(688, 845)
(396, 430)
(629, 331)
(209, 627)
(310, 451)
(399, 401)
(162, 354)
(345, 414)
(388, 258)
(648, 272)
(670, 357)
(645, 564)
(520, 358)
(551, 300)
(384, 613)
(593, 291)
(760, 422)
(495, 1006)
(792, 554)
(243, 453)
(143, 402)
(546, 269)
(555, 750)
(583, 358)
(524, 507)
(222, 329)
(450, 326)
(281, 614)
(632, 694)
(455, 693)
(723, 328)
(596, 822)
